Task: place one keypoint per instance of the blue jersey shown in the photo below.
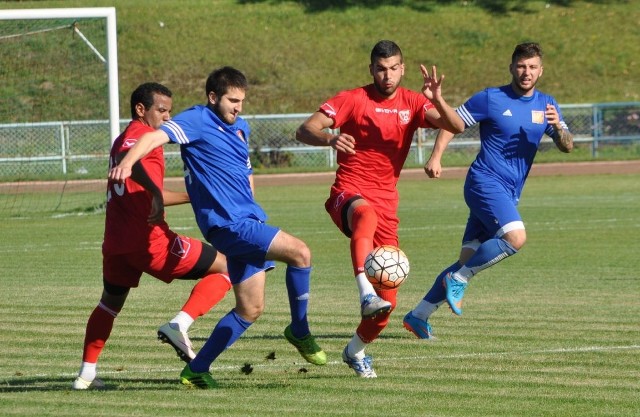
(217, 167)
(511, 128)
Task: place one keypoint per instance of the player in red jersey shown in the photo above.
(136, 242)
(377, 123)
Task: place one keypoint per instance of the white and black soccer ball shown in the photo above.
(386, 267)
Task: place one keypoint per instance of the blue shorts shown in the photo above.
(245, 244)
(491, 208)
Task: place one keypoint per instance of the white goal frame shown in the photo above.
(112, 47)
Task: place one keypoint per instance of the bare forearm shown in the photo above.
(313, 136)
(173, 198)
(144, 145)
(441, 143)
(448, 118)
(563, 140)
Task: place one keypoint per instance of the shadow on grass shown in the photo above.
(53, 384)
(318, 336)
(497, 7)
(43, 384)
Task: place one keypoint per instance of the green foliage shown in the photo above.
(551, 331)
(298, 53)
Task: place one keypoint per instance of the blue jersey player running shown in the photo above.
(513, 119)
(214, 146)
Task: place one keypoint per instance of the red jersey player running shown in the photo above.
(135, 242)
(377, 123)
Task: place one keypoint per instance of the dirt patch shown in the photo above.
(576, 168)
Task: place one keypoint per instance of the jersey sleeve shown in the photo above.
(130, 136)
(424, 105)
(185, 128)
(339, 108)
(475, 109)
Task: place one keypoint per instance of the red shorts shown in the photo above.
(168, 257)
(338, 204)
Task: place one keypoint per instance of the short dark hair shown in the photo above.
(526, 50)
(144, 95)
(385, 49)
(221, 79)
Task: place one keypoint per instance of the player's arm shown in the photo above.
(442, 116)
(561, 136)
(252, 185)
(139, 174)
(173, 198)
(314, 132)
(433, 167)
(144, 145)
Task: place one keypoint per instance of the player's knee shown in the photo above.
(301, 255)
(516, 238)
(364, 221)
(250, 312)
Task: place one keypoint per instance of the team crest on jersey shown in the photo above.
(404, 116)
(537, 117)
(180, 247)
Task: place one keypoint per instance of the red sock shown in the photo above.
(370, 329)
(364, 222)
(206, 294)
(98, 330)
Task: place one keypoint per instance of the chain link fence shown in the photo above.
(79, 149)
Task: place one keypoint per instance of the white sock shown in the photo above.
(364, 286)
(355, 348)
(425, 309)
(183, 320)
(88, 371)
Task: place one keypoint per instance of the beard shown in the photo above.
(226, 117)
(524, 89)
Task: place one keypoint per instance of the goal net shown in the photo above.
(59, 109)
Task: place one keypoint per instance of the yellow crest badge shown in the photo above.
(537, 117)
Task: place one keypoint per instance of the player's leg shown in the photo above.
(249, 293)
(358, 220)
(194, 260)
(101, 320)
(417, 320)
(370, 328)
(501, 221)
(295, 253)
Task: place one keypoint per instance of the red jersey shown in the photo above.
(383, 130)
(129, 204)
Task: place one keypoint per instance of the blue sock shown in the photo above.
(488, 254)
(438, 293)
(298, 284)
(226, 332)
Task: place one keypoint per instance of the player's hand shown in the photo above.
(157, 209)
(432, 84)
(343, 143)
(119, 173)
(433, 168)
(552, 116)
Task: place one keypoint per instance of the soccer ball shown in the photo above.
(386, 267)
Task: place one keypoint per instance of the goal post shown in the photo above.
(59, 107)
(109, 13)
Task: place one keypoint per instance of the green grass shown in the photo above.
(296, 54)
(552, 331)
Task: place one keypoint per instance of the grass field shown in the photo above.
(553, 331)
